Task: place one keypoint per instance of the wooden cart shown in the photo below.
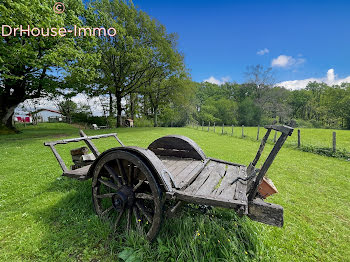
(130, 185)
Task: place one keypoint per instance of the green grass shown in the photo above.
(309, 136)
(45, 217)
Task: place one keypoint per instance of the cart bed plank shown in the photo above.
(215, 182)
(212, 180)
(80, 173)
(181, 169)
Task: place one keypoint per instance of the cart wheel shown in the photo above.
(125, 192)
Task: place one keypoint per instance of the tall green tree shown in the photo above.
(28, 64)
(141, 51)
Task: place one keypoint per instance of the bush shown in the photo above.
(303, 123)
(83, 117)
(143, 122)
(326, 151)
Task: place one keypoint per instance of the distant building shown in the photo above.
(41, 115)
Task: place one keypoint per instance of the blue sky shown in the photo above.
(221, 38)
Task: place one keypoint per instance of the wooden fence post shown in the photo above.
(242, 131)
(334, 141)
(208, 126)
(214, 127)
(222, 131)
(257, 135)
(202, 125)
(232, 131)
(298, 138)
(275, 137)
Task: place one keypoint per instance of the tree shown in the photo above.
(67, 108)
(274, 103)
(259, 76)
(140, 52)
(248, 113)
(298, 99)
(28, 63)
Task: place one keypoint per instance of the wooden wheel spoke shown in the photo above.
(138, 184)
(121, 171)
(118, 220)
(128, 219)
(144, 212)
(131, 174)
(105, 195)
(144, 196)
(108, 184)
(106, 211)
(113, 174)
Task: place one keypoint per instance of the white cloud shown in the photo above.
(329, 79)
(213, 80)
(286, 61)
(263, 51)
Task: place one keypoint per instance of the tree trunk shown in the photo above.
(155, 116)
(12, 95)
(132, 106)
(110, 103)
(119, 109)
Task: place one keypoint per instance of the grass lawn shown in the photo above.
(45, 217)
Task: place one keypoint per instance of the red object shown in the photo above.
(267, 188)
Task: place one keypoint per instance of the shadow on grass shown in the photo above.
(74, 232)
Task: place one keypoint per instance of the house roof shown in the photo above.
(45, 109)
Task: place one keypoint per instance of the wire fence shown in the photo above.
(334, 140)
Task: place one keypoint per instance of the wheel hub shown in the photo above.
(123, 198)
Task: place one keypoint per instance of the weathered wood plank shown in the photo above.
(187, 171)
(217, 173)
(79, 151)
(193, 175)
(183, 166)
(177, 164)
(267, 213)
(226, 189)
(80, 173)
(177, 153)
(281, 128)
(207, 200)
(175, 145)
(169, 162)
(241, 187)
(200, 180)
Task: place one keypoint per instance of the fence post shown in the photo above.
(334, 141)
(242, 131)
(257, 135)
(202, 125)
(214, 127)
(171, 124)
(232, 131)
(222, 131)
(298, 138)
(275, 137)
(208, 126)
